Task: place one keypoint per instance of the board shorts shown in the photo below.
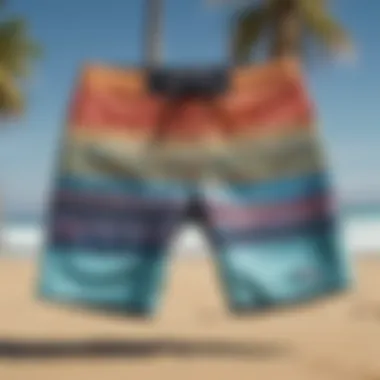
(133, 161)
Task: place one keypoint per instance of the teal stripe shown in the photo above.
(269, 192)
(130, 283)
(144, 188)
(281, 189)
(286, 271)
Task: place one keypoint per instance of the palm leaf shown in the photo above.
(249, 28)
(17, 52)
(324, 28)
(16, 49)
(318, 28)
(11, 99)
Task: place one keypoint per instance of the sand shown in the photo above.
(193, 337)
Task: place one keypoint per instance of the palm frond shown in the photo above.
(17, 50)
(324, 27)
(317, 29)
(249, 26)
(17, 53)
(11, 99)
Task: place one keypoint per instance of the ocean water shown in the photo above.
(24, 236)
(361, 228)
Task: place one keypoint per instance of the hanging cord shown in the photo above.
(153, 32)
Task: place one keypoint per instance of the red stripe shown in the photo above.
(279, 106)
(94, 109)
(287, 105)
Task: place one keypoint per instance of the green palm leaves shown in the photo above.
(288, 27)
(17, 51)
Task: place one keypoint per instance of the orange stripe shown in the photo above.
(260, 97)
(268, 74)
(105, 78)
(213, 139)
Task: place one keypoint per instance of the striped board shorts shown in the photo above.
(134, 162)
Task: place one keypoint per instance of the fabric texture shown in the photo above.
(132, 162)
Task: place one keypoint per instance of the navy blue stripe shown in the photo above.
(87, 212)
(118, 237)
(154, 240)
(102, 248)
(311, 228)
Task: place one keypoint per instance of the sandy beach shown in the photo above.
(193, 337)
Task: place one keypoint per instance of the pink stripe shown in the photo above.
(71, 229)
(269, 216)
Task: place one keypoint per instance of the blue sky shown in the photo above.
(76, 31)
